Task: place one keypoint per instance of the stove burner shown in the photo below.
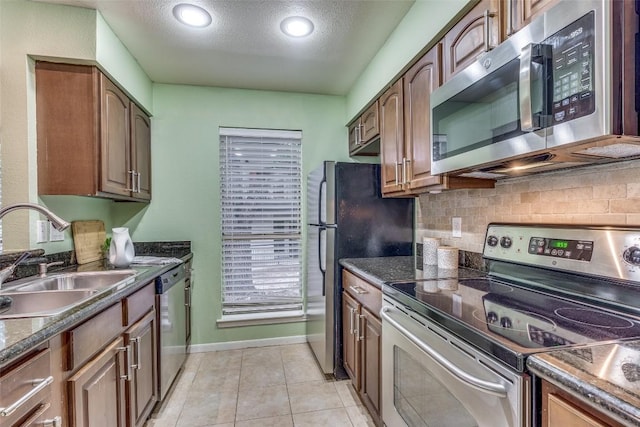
(592, 317)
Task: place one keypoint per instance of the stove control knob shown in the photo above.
(505, 322)
(632, 255)
(492, 241)
(492, 317)
(506, 242)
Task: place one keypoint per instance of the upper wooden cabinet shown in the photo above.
(392, 139)
(477, 32)
(406, 155)
(521, 12)
(364, 131)
(92, 139)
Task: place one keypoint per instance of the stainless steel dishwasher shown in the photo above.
(171, 320)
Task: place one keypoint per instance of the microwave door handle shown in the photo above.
(526, 113)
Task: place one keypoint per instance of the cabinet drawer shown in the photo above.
(19, 382)
(90, 337)
(138, 304)
(362, 291)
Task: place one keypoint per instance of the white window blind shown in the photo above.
(261, 182)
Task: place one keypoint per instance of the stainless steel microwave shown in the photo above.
(561, 92)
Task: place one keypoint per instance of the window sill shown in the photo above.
(234, 320)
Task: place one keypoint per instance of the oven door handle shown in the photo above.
(477, 383)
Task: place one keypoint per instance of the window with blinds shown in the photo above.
(261, 184)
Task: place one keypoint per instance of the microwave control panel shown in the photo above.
(573, 70)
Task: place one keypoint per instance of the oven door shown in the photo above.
(430, 378)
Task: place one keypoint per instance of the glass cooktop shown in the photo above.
(510, 321)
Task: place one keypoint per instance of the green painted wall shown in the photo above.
(419, 26)
(32, 30)
(186, 181)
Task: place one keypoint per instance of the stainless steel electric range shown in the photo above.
(467, 341)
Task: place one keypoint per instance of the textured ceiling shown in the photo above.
(244, 47)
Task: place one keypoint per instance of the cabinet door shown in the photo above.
(392, 139)
(142, 387)
(419, 82)
(370, 370)
(523, 11)
(115, 138)
(141, 152)
(477, 32)
(350, 312)
(96, 391)
(370, 123)
(354, 136)
(562, 413)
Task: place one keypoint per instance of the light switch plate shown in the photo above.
(55, 235)
(456, 226)
(41, 231)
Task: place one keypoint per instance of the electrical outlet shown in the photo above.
(41, 231)
(55, 235)
(456, 226)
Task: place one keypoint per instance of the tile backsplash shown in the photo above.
(602, 194)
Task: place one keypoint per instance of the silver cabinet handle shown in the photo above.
(357, 132)
(54, 422)
(138, 364)
(358, 290)
(397, 178)
(477, 383)
(487, 30)
(404, 170)
(358, 317)
(132, 180)
(138, 187)
(352, 311)
(127, 350)
(360, 337)
(38, 385)
(509, 17)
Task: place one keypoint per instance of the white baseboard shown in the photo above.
(235, 345)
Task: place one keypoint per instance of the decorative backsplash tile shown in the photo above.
(603, 194)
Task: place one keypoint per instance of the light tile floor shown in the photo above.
(266, 386)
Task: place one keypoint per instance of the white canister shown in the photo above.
(430, 250)
(121, 250)
(447, 258)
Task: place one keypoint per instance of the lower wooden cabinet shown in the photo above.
(371, 345)
(142, 384)
(560, 408)
(112, 364)
(350, 312)
(97, 390)
(362, 339)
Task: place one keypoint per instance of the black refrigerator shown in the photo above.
(346, 218)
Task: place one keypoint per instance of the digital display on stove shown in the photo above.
(581, 250)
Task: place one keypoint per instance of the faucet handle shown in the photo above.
(43, 267)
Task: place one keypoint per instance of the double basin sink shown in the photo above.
(57, 292)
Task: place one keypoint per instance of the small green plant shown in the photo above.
(105, 245)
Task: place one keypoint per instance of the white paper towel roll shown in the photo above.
(447, 257)
(430, 250)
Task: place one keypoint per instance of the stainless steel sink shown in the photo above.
(37, 304)
(76, 281)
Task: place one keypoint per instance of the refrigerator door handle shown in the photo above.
(322, 261)
(322, 197)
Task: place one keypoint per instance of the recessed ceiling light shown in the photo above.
(296, 26)
(192, 15)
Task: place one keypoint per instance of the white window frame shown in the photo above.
(248, 232)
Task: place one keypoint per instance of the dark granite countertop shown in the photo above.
(608, 379)
(381, 270)
(20, 335)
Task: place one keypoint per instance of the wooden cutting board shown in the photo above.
(88, 237)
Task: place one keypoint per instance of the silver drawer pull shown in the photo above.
(39, 385)
(358, 290)
(127, 349)
(53, 422)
